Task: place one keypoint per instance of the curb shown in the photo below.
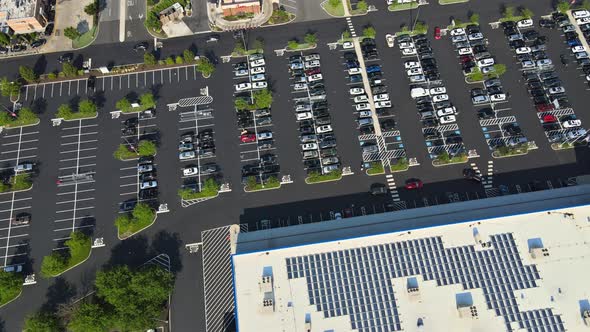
(511, 155)
(138, 231)
(73, 266)
(93, 39)
(452, 3)
(324, 181)
(449, 164)
(400, 170)
(263, 189)
(302, 49)
(374, 174)
(90, 117)
(334, 16)
(401, 10)
(17, 191)
(13, 299)
(23, 126)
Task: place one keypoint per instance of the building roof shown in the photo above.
(17, 9)
(525, 271)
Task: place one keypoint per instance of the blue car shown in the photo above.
(352, 64)
(373, 69)
(356, 78)
(574, 42)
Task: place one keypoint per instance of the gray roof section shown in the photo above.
(470, 211)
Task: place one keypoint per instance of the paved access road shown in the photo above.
(89, 144)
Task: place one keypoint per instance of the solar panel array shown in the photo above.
(357, 282)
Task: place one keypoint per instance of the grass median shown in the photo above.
(402, 6)
(24, 117)
(375, 168)
(450, 2)
(337, 11)
(145, 148)
(85, 39)
(58, 262)
(11, 285)
(270, 183)
(17, 182)
(316, 177)
(141, 217)
(209, 189)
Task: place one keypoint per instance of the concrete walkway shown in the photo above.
(345, 7)
(216, 18)
(68, 13)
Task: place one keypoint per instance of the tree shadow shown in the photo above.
(40, 65)
(74, 103)
(87, 221)
(132, 252)
(2, 325)
(155, 90)
(169, 244)
(23, 253)
(99, 98)
(39, 105)
(61, 292)
(132, 96)
(212, 56)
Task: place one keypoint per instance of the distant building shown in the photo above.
(234, 7)
(174, 12)
(22, 16)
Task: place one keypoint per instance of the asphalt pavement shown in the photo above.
(293, 203)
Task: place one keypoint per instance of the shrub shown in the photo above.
(53, 264)
(362, 5)
(147, 100)
(293, 44)
(123, 104)
(310, 38)
(526, 13)
(335, 3)
(169, 61)
(87, 107)
(369, 32)
(188, 56)
(51, 76)
(508, 12)
(149, 59)
(64, 111)
(69, 69)
(474, 18)
(205, 67)
(92, 8)
(10, 285)
(27, 73)
(179, 60)
(8, 88)
(146, 148)
(71, 33)
(563, 6)
(262, 98)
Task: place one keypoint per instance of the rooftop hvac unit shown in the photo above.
(266, 284)
(539, 252)
(586, 317)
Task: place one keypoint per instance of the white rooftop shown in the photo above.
(518, 272)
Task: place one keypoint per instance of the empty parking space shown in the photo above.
(78, 142)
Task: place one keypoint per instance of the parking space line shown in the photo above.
(74, 200)
(74, 210)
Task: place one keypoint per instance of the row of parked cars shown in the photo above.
(572, 39)
(254, 70)
(316, 136)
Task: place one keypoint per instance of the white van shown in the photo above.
(418, 92)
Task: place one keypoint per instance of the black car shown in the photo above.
(311, 163)
(387, 124)
(268, 159)
(240, 66)
(378, 189)
(512, 129)
(564, 60)
(548, 75)
(18, 48)
(38, 43)
(143, 46)
(327, 144)
(323, 120)
(540, 100)
(127, 205)
(430, 123)
(516, 44)
(366, 130)
(131, 122)
(205, 133)
(66, 57)
(537, 92)
(539, 55)
(91, 83)
(545, 23)
(350, 56)
(471, 174)
(530, 35)
(3, 50)
(432, 134)
(495, 90)
(129, 131)
(535, 84)
(295, 58)
(486, 113)
(148, 193)
(145, 160)
(454, 139)
(378, 89)
(306, 130)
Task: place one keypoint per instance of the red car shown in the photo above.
(413, 184)
(312, 71)
(248, 138)
(548, 118)
(436, 33)
(347, 213)
(545, 107)
(466, 58)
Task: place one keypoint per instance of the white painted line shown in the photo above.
(72, 151)
(13, 151)
(71, 159)
(70, 228)
(71, 192)
(75, 200)
(70, 210)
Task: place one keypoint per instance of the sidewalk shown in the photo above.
(216, 18)
(68, 13)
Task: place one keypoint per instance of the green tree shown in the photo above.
(178, 60)
(69, 69)
(169, 60)
(90, 317)
(71, 32)
(92, 8)
(149, 59)
(4, 39)
(526, 13)
(10, 285)
(563, 6)
(27, 115)
(508, 12)
(241, 104)
(147, 100)
(310, 38)
(146, 148)
(53, 264)
(41, 322)
(63, 111)
(79, 245)
(362, 5)
(239, 48)
(123, 104)
(27, 73)
(474, 18)
(499, 69)
(369, 32)
(335, 3)
(205, 67)
(87, 107)
(346, 34)
(293, 44)
(152, 21)
(251, 182)
(258, 43)
(188, 56)
(585, 4)
(262, 98)
(137, 297)
(420, 27)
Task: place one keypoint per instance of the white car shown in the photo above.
(303, 108)
(417, 78)
(354, 71)
(544, 63)
(381, 97)
(186, 155)
(485, 62)
(418, 92)
(148, 184)
(556, 90)
(526, 23)
(304, 116)
(258, 77)
(365, 114)
(300, 86)
(242, 86)
(446, 112)
(523, 50)
(457, 32)
(475, 36)
(571, 123)
(309, 146)
(383, 104)
(458, 38)
(361, 99)
(257, 70)
(362, 107)
(259, 85)
(583, 20)
(189, 171)
(587, 78)
(411, 64)
(447, 119)
(465, 51)
(264, 135)
(404, 45)
(323, 129)
(257, 63)
(439, 98)
(347, 45)
(311, 57)
(409, 51)
(438, 90)
(581, 55)
(313, 78)
(241, 72)
(356, 91)
(498, 97)
(581, 13)
(414, 71)
(577, 49)
(312, 64)
(144, 168)
(527, 64)
(390, 40)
